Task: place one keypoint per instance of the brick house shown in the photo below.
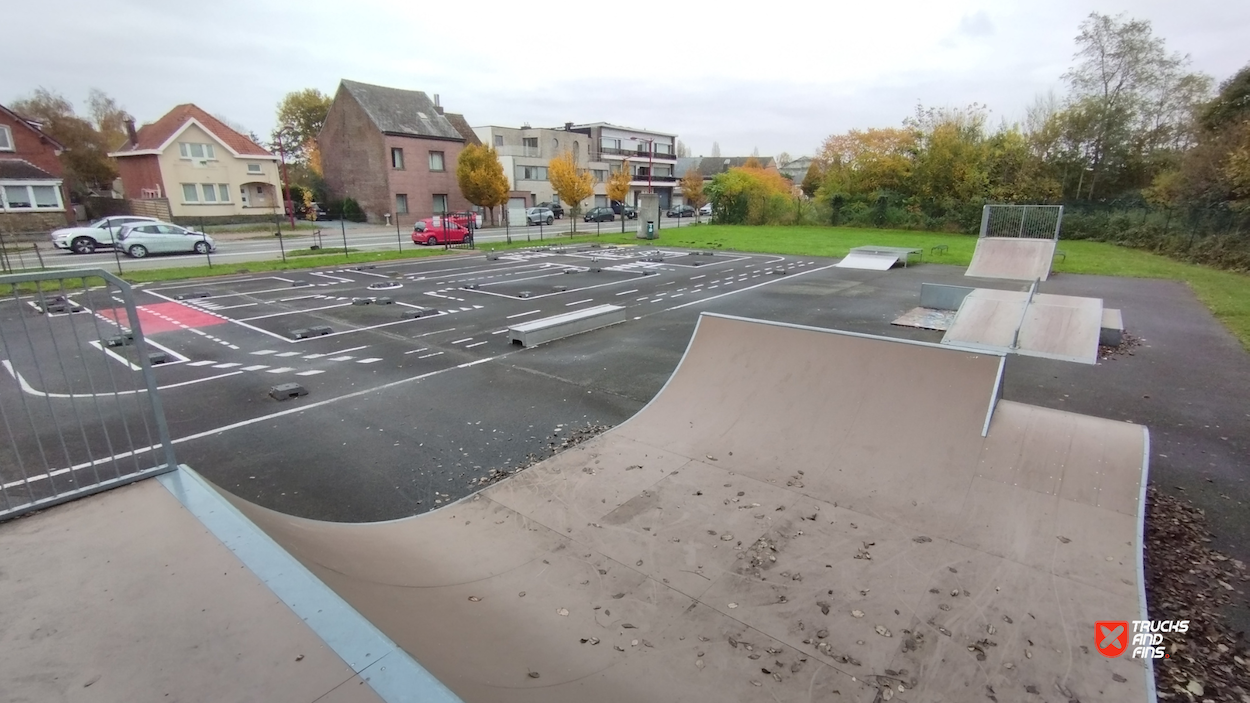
(394, 151)
(206, 170)
(33, 197)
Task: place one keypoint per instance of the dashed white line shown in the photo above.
(256, 367)
(626, 292)
(346, 357)
(569, 305)
(227, 365)
(314, 372)
(466, 339)
(414, 351)
(475, 344)
(500, 331)
(426, 356)
(281, 369)
(370, 360)
(523, 314)
(695, 278)
(201, 363)
(286, 354)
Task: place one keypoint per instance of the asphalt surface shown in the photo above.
(238, 247)
(405, 415)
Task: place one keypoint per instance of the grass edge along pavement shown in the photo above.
(1225, 293)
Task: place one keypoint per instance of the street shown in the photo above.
(252, 246)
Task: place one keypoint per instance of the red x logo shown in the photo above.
(1111, 637)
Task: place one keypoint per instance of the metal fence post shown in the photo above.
(343, 228)
(116, 247)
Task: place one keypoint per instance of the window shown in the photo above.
(6, 139)
(440, 203)
(45, 196)
(601, 175)
(661, 148)
(207, 192)
(529, 142)
(531, 173)
(607, 143)
(397, 159)
(436, 161)
(401, 203)
(498, 140)
(193, 150)
(253, 169)
(17, 197)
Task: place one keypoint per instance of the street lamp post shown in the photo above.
(286, 180)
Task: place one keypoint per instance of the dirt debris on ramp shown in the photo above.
(798, 515)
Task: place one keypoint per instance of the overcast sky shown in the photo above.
(778, 75)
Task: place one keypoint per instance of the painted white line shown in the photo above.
(231, 307)
(695, 278)
(201, 363)
(281, 369)
(626, 292)
(344, 351)
(415, 351)
(27, 388)
(370, 360)
(301, 297)
(115, 355)
(743, 290)
(475, 344)
(466, 339)
(313, 356)
(523, 314)
(642, 298)
(227, 365)
(314, 372)
(287, 354)
(256, 367)
(500, 331)
(345, 357)
(291, 312)
(426, 356)
(579, 302)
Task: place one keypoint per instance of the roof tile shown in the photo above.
(152, 136)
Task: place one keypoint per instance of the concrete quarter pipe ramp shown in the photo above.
(1012, 258)
(798, 515)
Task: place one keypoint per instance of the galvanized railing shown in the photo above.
(79, 406)
(1022, 221)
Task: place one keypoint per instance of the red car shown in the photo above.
(432, 234)
(471, 220)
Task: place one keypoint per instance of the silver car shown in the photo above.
(539, 216)
(139, 240)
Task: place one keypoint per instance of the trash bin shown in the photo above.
(650, 229)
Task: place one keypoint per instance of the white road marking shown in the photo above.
(426, 356)
(314, 372)
(695, 278)
(227, 365)
(500, 331)
(346, 357)
(475, 344)
(625, 292)
(256, 367)
(370, 360)
(286, 354)
(414, 351)
(201, 363)
(281, 369)
(522, 314)
(466, 339)
(569, 305)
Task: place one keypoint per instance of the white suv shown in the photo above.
(85, 240)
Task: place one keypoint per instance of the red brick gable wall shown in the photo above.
(353, 158)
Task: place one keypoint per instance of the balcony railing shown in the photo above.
(654, 179)
(628, 153)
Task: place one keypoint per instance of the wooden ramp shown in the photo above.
(1060, 327)
(798, 515)
(1012, 258)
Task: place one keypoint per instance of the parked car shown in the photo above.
(680, 211)
(599, 214)
(86, 239)
(468, 220)
(629, 212)
(140, 239)
(442, 233)
(706, 209)
(539, 216)
(557, 210)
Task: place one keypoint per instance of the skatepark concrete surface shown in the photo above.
(798, 515)
(1012, 258)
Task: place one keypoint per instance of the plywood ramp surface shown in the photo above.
(1050, 326)
(1017, 259)
(797, 513)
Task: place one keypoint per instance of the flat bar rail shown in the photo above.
(80, 411)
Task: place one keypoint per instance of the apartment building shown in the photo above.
(652, 158)
(525, 153)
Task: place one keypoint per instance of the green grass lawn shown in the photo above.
(1227, 294)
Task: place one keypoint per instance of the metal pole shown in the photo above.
(38, 254)
(116, 254)
(985, 220)
(286, 180)
(204, 238)
(281, 244)
(399, 238)
(4, 255)
(343, 227)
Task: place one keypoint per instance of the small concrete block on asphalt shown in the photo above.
(297, 284)
(419, 312)
(195, 294)
(523, 294)
(492, 257)
(706, 253)
(471, 286)
(319, 330)
(300, 333)
(286, 391)
(120, 340)
(157, 358)
(559, 289)
(383, 301)
(362, 301)
(385, 285)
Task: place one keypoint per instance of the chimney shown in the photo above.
(130, 130)
(568, 126)
(437, 108)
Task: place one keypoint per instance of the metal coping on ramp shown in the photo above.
(874, 258)
(567, 324)
(373, 656)
(783, 475)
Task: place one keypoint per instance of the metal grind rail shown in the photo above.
(79, 408)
